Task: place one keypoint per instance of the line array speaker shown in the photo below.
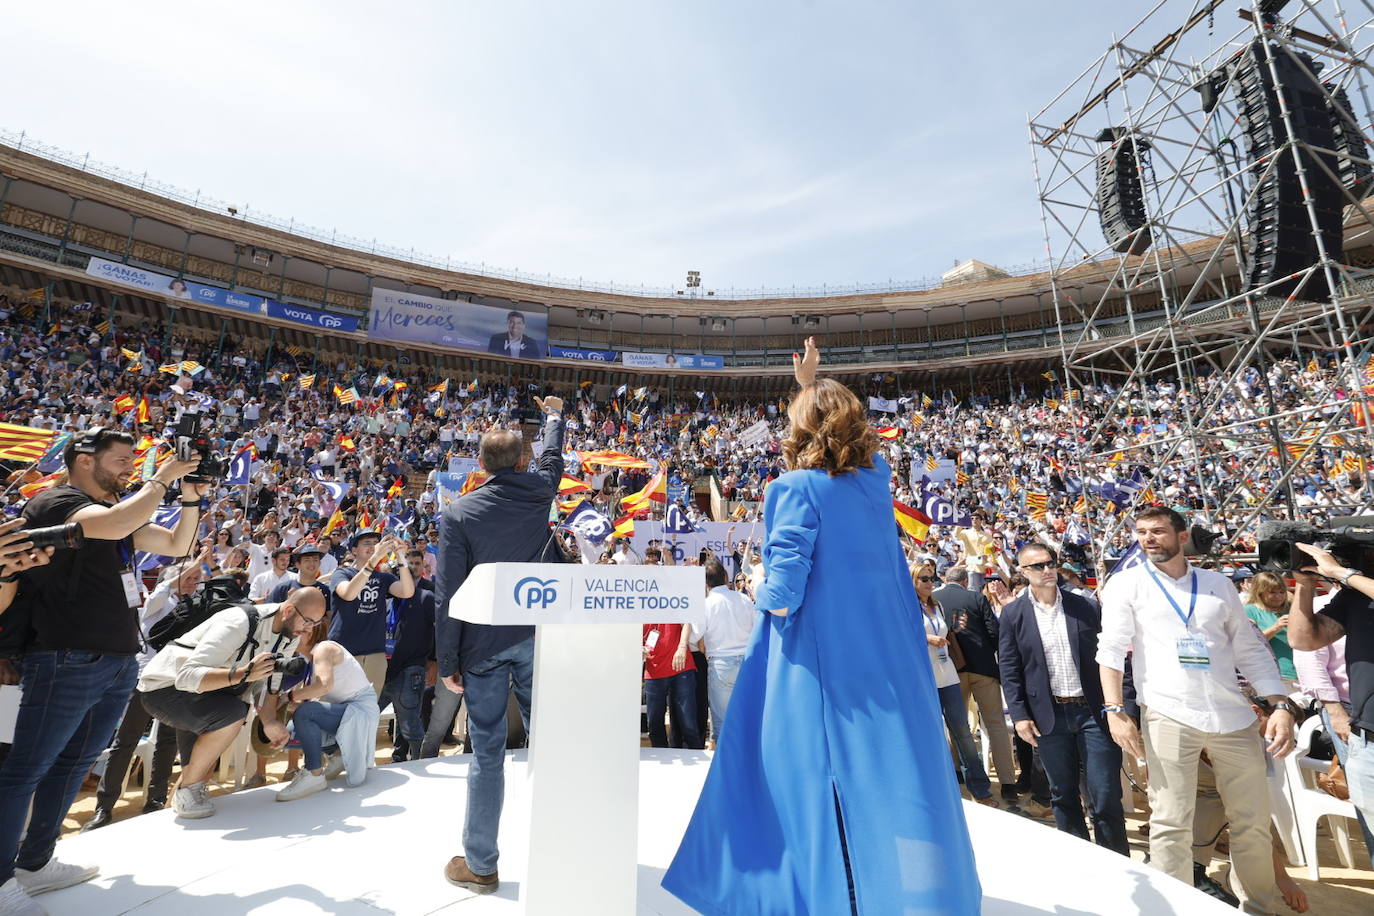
(1282, 238)
(1356, 176)
(1120, 191)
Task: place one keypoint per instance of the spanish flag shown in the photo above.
(347, 444)
(889, 432)
(572, 485)
(144, 414)
(913, 521)
(398, 486)
(30, 490)
(335, 521)
(624, 527)
(123, 404)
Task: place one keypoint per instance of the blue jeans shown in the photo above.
(72, 702)
(405, 690)
(721, 672)
(681, 690)
(1081, 743)
(1358, 759)
(441, 713)
(310, 722)
(486, 690)
(956, 720)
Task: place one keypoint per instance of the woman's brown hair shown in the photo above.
(829, 431)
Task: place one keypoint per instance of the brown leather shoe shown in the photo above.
(457, 872)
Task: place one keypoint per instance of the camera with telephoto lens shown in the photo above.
(191, 444)
(62, 537)
(289, 665)
(1350, 539)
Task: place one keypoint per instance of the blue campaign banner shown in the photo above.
(696, 361)
(591, 356)
(313, 317)
(217, 296)
(409, 317)
(174, 287)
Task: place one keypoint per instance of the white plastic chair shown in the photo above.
(143, 751)
(1310, 804)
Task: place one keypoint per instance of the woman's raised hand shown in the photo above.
(804, 366)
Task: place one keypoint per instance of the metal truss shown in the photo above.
(1191, 311)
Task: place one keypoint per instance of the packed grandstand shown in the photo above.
(349, 390)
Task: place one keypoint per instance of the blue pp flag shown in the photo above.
(1129, 560)
(589, 523)
(675, 521)
(240, 468)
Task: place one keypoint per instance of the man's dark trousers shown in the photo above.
(1081, 742)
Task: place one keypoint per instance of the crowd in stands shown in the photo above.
(347, 468)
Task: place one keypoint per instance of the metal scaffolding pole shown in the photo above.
(1200, 316)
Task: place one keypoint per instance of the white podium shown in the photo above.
(584, 725)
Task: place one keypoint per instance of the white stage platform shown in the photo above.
(381, 848)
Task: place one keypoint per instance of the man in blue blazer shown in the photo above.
(506, 519)
(1047, 654)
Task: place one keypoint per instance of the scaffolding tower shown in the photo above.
(1203, 198)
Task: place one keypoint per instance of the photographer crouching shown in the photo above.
(198, 680)
(80, 664)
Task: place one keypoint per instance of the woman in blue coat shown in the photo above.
(831, 791)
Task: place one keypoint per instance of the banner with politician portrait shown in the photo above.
(410, 317)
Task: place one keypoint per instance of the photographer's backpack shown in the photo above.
(218, 594)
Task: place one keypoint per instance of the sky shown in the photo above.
(773, 143)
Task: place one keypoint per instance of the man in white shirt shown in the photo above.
(260, 555)
(724, 635)
(264, 583)
(1189, 635)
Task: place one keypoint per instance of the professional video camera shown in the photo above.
(191, 443)
(1350, 539)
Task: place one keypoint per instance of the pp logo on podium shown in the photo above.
(536, 594)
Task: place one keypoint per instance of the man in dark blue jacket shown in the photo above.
(409, 658)
(1047, 654)
(505, 520)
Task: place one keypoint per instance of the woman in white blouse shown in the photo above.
(943, 650)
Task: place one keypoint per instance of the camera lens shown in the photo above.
(291, 667)
(63, 537)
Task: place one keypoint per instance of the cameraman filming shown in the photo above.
(197, 682)
(1350, 613)
(80, 667)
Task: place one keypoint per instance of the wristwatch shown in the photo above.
(1349, 574)
(1287, 706)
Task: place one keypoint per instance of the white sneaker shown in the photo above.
(334, 766)
(15, 901)
(193, 802)
(305, 783)
(53, 876)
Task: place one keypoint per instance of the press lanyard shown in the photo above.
(1192, 596)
